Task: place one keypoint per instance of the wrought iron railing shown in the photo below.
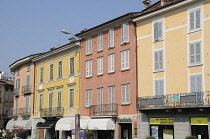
(26, 89)
(16, 92)
(24, 111)
(194, 99)
(104, 109)
(52, 112)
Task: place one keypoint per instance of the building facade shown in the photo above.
(57, 88)
(173, 69)
(23, 94)
(108, 79)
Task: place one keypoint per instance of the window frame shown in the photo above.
(158, 69)
(111, 38)
(100, 42)
(194, 43)
(111, 62)
(88, 68)
(196, 81)
(89, 46)
(100, 65)
(88, 96)
(51, 72)
(157, 32)
(59, 102)
(70, 66)
(60, 69)
(28, 66)
(125, 59)
(158, 81)
(126, 99)
(71, 99)
(41, 101)
(194, 29)
(41, 74)
(125, 33)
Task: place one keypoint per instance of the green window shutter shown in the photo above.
(27, 104)
(28, 83)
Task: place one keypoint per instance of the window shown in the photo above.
(28, 83)
(88, 68)
(159, 87)
(28, 67)
(51, 71)
(111, 99)
(88, 98)
(125, 93)
(59, 69)
(72, 66)
(27, 109)
(40, 101)
(196, 83)
(41, 74)
(158, 31)
(100, 65)
(195, 20)
(71, 97)
(195, 53)
(125, 33)
(16, 109)
(59, 105)
(88, 46)
(50, 99)
(100, 42)
(100, 100)
(17, 86)
(125, 59)
(111, 63)
(18, 71)
(158, 60)
(111, 38)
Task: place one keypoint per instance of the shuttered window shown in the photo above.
(16, 109)
(100, 42)
(71, 97)
(159, 87)
(158, 31)
(40, 101)
(100, 65)
(41, 74)
(59, 99)
(125, 33)
(195, 53)
(196, 83)
(195, 20)
(51, 71)
(88, 68)
(88, 46)
(100, 100)
(111, 94)
(125, 59)
(72, 66)
(111, 63)
(158, 60)
(88, 98)
(28, 83)
(28, 67)
(125, 93)
(50, 99)
(27, 105)
(18, 84)
(111, 38)
(60, 67)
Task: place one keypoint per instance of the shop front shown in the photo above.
(162, 128)
(199, 127)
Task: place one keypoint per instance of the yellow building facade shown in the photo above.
(174, 68)
(57, 83)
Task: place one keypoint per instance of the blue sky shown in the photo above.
(33, 26)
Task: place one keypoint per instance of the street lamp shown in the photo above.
(67, 32)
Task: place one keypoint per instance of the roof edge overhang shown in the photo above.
(163, 9)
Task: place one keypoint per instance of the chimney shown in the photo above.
(53, 48)
(164, 2)
(72, 39)
(146, 3)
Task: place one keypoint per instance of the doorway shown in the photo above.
(200, 131)
(126, 130)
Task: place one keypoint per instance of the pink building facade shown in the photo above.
(108, 79)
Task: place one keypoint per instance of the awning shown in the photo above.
(84, 123)
(65, 124)
(26, 124)
(47, 125)
(101, 124)
(10, 124)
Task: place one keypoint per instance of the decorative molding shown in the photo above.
(58, 87)
(50, 88)
(71, 84)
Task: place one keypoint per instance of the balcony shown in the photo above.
(187, 100)
(26, 89)
(24, 111)
(16, 92)
(104, 110)
(52, 112)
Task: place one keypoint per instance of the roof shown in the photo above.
(7, 82)
(129, 15)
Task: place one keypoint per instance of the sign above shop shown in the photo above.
(161, 121)
(199, 121)
(124, 119)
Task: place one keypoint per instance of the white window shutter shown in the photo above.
(125, 32)
(198, 19)
(192, 20)
(192, 53)
(99, 42)
(90, 97)
(155, 31)
(161, 83)
(112, 61)
(156, 60)
(160, 65)
(127, 93)
(157, 88)
(199, 83)
(111, 38)
(192, 83)
(90, 68)
(87, 98)
(160, 30)
(123, 59)
(109, 62)
(198, 52)
(123, 94)
(127, 59)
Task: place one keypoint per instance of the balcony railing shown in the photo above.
(52, 112)
(24, 111)
(16, 92)
(104, 110)
(26, 89)
(195, 99)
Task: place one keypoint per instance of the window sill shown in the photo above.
(111, 48)
(88, 77)
(124, 43)
(88, 54)
(99, 51)
(158, 71)
(194, 31)
(28, 70)
(125, 104)
(122, 70)
(158, 41)
(111, 72)
(99, 75)
(196, 65)
(88, 106)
